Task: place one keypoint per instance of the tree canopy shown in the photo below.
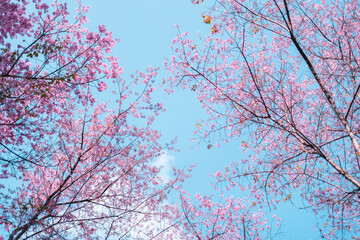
(278, 77)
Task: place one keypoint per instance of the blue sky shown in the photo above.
(146, 29)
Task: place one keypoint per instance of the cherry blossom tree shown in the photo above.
(73, 167)
(226, 218)
(284, 74)
(44, 60)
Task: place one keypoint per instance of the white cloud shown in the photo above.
(165, 163)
